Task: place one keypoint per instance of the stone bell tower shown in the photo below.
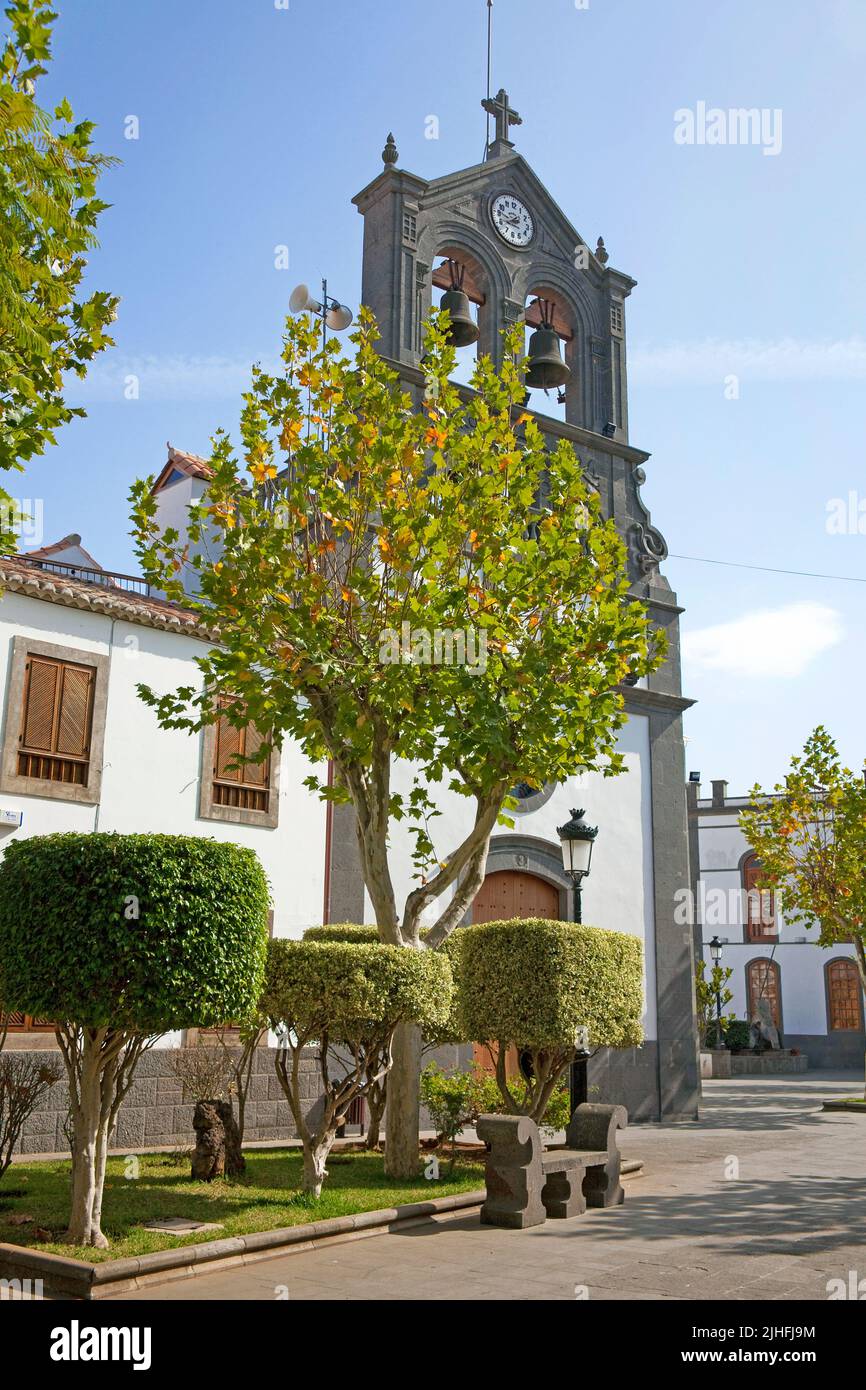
(516, 249)
(495, 232)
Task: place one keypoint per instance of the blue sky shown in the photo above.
(258, 123)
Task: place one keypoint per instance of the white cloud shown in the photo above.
(769, 642)
(709, 360)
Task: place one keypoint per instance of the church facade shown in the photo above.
(517, 257)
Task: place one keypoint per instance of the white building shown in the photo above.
(81, 751)
(814, 992)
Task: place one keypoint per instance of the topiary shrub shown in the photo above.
(738, 1035)
(377, 1094)
(439, 1036)
(534, 985)
(346, 999)
(119, 938)
(351, 932)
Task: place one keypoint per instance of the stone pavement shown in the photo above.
(763, 1198)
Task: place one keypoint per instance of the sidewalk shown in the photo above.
(763, 1198)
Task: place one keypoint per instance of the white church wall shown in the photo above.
(619, 891)
(150, 779)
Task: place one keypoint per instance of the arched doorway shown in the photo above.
(511, 893)
(502, 896)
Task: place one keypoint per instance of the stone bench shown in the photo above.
(527, 1183)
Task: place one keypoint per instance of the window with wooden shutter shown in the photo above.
(24, 1023)
(54, 743)
(244, 785)
(844, 996)
(760, 909)
(764, 981)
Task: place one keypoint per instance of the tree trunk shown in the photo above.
(375, 1108)
(315, 1171)
(404, 1080)
(88, 1156)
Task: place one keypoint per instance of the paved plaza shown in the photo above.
(763, 1198)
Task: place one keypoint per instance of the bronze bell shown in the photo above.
(545, 367)
(462, 329)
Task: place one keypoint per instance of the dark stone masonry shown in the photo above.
(155, 1113)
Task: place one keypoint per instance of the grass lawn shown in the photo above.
(267, 1196)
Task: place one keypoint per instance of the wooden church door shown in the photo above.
(503, 896)
(510, 893)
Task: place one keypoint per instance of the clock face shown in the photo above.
(512, 220)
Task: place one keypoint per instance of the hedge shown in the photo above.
(140, 932)
(345, 932)
(344, 989)
(535, 982)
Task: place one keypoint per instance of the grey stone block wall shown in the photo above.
(835, 1051)
(155, 1113)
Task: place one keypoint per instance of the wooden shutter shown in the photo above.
(760, 904)
(242, 785)
(23, 1023)
(228, 746)
(764, 982)
(40, 703)
(844, 996)
(73, 724)
(54, 744)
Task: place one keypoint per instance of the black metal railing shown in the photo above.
(106, 579)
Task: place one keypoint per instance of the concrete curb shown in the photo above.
(63, 1277)
(853, 1107)
(67, 1278)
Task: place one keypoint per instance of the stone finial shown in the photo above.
(389, 154)
(601, 252)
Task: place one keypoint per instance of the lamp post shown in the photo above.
(716, 956)
(577, 839)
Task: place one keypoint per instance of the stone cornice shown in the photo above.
(639, 701)
(546, 423)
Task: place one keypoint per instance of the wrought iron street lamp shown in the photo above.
(577, 839)
(715, 957)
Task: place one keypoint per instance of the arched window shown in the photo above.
(764, 981)
(760, 903)
(457, 269)
(545, 308)
(844, 996)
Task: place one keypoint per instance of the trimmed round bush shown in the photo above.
(535, 982)
(345, 989)
(138, 932)
(350, 932)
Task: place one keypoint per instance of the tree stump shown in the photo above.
(217, 1141)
